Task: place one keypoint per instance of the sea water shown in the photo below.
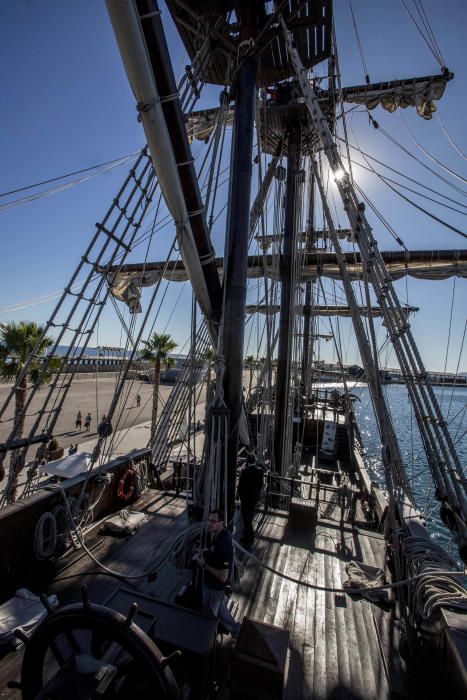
(453, 401)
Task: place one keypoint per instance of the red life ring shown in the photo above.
(127, 485)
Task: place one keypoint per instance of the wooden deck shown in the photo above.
(129, 555)
(334, 652)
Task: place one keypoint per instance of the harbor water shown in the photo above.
(453, 401)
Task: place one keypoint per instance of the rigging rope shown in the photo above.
(420, 162)
(360, 48)
(407, 199)
(449, 338)
(75, 172)
(430, 41)
(427, 153)
(430, 214)
(457, 369)
(383, 220)
(45, 193)
(130, 330)
(426, 23)
(406, 177)
(456, 148)
(384, 178)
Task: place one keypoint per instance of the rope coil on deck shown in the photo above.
(45, 536)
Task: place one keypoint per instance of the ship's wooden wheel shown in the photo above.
(89, 651)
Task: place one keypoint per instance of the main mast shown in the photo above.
(252, 33)
(236, 247)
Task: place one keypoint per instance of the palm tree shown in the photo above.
(250, 364)
(155, 350)
(17, 342)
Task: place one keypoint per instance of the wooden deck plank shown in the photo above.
(310, 632)
(320, 665)
(300, 632)
(284, 617)
(332, 668)
(342, 639)
(127, 555)
(264, 579)
(363, 651)
(391, 669)
(257, 585)
(296, 568)
(282, 612)
(266, 549)
(267, 608)
(378, 548)
(354, 658)
(269, 605)
(381, 690)
(302, 610)
(371, 550)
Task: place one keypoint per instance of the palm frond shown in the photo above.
(157, 347)
(17, 341)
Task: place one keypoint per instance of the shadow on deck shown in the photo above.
(335, 648)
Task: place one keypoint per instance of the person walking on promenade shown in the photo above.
(87, 422)
(138, 400)
(79, 418)
(217, 565)
(249, 492)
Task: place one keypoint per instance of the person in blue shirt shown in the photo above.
(217, 565)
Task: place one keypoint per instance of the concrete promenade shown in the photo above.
(132, 425)
(89, 395)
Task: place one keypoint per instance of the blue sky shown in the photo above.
(66, 104)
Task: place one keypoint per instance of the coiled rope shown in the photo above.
(45, 536)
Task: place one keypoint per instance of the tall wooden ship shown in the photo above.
(343, 593)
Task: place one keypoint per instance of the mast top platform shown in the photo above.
(309, 21)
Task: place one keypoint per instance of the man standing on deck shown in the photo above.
(217, 565)
(249, 492)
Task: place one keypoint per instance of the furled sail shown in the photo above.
(126, 287)
(320, 310)
(419, 92)
(126, 283)
(201, 124)
(306, 237)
